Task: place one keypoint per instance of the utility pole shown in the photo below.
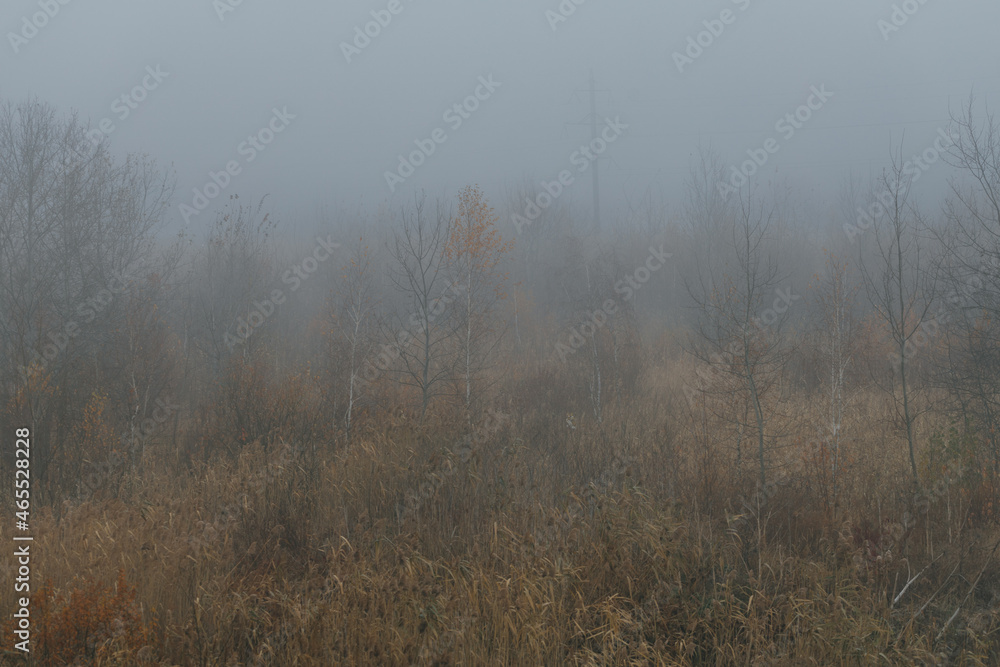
(594, 166)
(593, 120)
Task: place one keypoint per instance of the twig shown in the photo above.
(924, 606)
(966, 598)
(908, 583)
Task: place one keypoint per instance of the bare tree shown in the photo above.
(836, 332)
(355, 324)
(74, 225)
(230, 282)
(899, 285)
(422, 343)
(971, 274)
(707, 211)
(737, 335)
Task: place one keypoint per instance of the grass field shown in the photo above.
(539, 537)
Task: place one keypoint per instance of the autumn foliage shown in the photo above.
(91, 624)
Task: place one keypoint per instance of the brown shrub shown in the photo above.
(91, 624)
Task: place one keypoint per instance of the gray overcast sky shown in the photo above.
(352, 120)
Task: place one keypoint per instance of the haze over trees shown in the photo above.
(422, 434)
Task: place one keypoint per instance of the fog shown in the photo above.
(513, 333)
(230, 66)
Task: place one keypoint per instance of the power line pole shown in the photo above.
(594, 166)
(593, 120)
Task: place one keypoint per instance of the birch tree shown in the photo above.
(356, 324)
(900, 288)
(476, 254)
(738, 335)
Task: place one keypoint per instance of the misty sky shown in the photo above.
(352, 120)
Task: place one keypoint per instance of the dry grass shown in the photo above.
(539, 540)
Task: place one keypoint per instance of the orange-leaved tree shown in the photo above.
(476, 252)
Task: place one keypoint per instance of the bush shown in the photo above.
(91, 625)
